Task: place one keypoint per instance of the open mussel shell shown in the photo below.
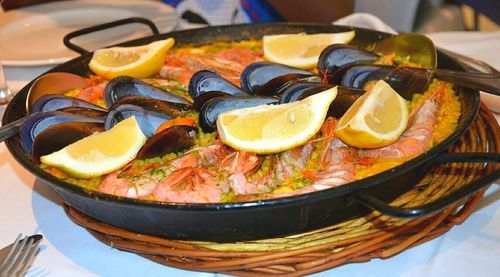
(205, 81)
(168, 108)
(38, 122)
(148, 120)
(255, 75)
(172, 139)
(337, 56)
(211, 110)
(276, 85)
(53, 102)
(124, 86)
(58, 136)
(53, 83)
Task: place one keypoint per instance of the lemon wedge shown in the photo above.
(301, 50)
(100, 153)
(272, 129)
(138, 62)
(375, 119)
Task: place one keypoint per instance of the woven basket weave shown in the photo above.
(357, 240)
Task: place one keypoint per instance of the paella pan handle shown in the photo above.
(67, 38)
(381, 206)
(489, 83)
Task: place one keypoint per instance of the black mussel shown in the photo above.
(344, 100)
(203, 98)
(212, 108)
(357, 76)
(300, 90)
(257, 74)
(274, 86)
(53, 102)
(84, 111)
(406, 81)
(168, 108)
(58, 136)
(124, 86)
(37, 122)
(148, 120)
(336, 56)
(173, 139)
(204, 81)
(409, 80)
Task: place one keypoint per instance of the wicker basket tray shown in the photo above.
(357, 240)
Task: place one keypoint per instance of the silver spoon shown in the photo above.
(5, 93)
(51, 83)
(421, 50)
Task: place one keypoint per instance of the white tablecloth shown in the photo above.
(28, 205)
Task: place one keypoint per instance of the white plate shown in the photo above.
(33, 35)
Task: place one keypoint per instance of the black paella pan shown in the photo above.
(264, 218)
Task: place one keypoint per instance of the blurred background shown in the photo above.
(405, 16)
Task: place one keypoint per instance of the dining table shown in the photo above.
(29, 206)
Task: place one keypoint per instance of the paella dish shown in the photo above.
(238, 121)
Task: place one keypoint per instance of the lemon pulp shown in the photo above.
(100, 153)
(138, 62)
(301, 50)
(271, 129)
(375, 119)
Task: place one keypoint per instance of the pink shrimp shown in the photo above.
(193, 185)
(238, 164)
(292, 161)
(208, 155)
(336, 165)
(156, 180)
(192, 179)
(123, 183)
(416, 139)
(93, 92)
(337, 160)
(333, 149)
(228, 63)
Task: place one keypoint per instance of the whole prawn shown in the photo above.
(336, 164)
(194, 179)
(238, 165)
